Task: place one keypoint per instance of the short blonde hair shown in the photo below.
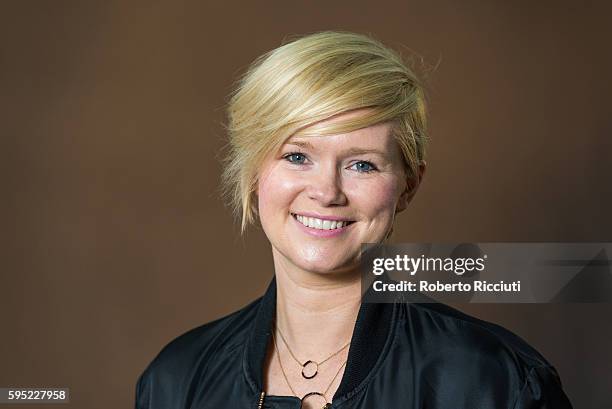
(308, 80)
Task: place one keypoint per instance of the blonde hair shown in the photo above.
(308, 80)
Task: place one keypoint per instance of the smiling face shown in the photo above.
(313, 183)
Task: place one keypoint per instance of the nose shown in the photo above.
(325, 186)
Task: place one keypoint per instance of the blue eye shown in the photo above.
(294, 155)
(369, 167)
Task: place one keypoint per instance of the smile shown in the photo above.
(321, 224)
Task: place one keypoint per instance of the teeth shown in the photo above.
(320, 224)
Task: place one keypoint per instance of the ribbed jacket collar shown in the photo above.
(372, 328)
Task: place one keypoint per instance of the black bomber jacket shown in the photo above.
(402, 355)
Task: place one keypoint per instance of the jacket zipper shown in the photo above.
(261, 400)
(263, 394)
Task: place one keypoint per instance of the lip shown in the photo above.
(318, 216)
(320, 232)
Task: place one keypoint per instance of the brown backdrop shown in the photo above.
(114, 239)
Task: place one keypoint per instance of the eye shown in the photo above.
(295, 157)
(364, 166)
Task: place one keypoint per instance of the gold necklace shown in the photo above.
(309, 362)
(323, 395)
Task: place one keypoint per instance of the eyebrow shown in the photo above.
(350, 151)
(301, 144)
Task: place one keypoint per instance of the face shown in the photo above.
(320, 198)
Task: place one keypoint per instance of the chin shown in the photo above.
(327, 268)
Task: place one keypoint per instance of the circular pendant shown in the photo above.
(310, 369)
(326, 406)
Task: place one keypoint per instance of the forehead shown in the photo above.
(375, 137)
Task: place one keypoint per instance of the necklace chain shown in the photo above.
(305, 362)
(287, 379)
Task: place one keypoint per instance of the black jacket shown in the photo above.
(402, 355)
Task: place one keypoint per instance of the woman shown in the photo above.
(327, 143)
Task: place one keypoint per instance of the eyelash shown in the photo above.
(288, 155)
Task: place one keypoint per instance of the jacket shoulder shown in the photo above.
(224, 332)
(184, 359)
(488, 363)
(465, 333)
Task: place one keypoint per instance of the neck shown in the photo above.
(316, 312)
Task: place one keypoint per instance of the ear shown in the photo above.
(412, 185)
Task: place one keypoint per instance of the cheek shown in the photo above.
(378, 197)
(275, 190)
